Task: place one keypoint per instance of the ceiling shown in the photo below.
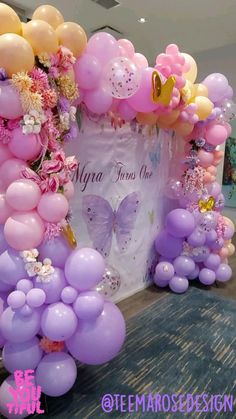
(193, 25)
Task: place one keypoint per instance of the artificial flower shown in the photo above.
(67, 88)
(33, 268)
(32, 122)
(21, 81)
(29, 255)
(44, 59)
(49, 346)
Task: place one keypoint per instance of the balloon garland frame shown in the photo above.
(51, 292)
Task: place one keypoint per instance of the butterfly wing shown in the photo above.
(125, 220)
(166, 91)
(99, 218)
(210, 203)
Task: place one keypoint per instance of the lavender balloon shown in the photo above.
(69, 295)
(24, 285)
(3, 243)
(197, 238)
(6, 397)
(167, 245)
(180, 223)
(194, 274)
(16, 299)
(160, 282)
(216, 84)
(56, 374)
(36, 297)
(211, 237)
(17, 328)
(22, 356)
(53, 287)
(84, 268)
(58, 322)
(164, 272)
(57, 250)
(11, 267)
(96, 342)
(207, 276)
(183, 265)
(89, 305)
(212, 262)
(179, 284)
(223, 273)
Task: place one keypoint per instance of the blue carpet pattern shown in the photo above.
(181, 344)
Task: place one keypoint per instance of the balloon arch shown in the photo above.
(52, 305)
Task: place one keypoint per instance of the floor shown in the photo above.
(143, 299)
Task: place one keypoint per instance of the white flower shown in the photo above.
(73, 113)
(29, 255)
(33, 268)
(47, 261)
(45, 272)
(65, 120)
(32, 122)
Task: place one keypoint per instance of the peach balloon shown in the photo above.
(5, 209)
(207, 178)
(224, 253)
(182, 128)
(212, 170)
(48, 14)
(72, 36)
(190, 75)
(200, 90)
(41, 37)
(231, 249)
(205, 158)
(169, 118)
(16, 54)
(9, 21)
(147, 118)
(218, 154)
(229, 222)
(204, 107)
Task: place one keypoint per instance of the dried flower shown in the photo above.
(21, 81)
(31, 101)
(67, 87)
(44, 59)
(49, 346)
(29, 255)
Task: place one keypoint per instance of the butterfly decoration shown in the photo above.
(155, 156)
(151, 216)
(102, 221)
(161, 93)
(208, 205)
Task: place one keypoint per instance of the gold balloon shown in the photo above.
(200, 90)
(16, 54)
(204, 107)
(69, 235)
(72, 36)
(9, 21)
(48, 14)
(147, 118)
(191, 75)
(41, 37)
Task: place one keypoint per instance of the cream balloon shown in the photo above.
(200, 90)
(191, 75)
(41, 37)
(48, 14)
(9, 21)
(16, 54)
(72, 36)
(204, 107)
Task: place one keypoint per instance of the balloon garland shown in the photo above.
(51, 291)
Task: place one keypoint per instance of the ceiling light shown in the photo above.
(142, 20)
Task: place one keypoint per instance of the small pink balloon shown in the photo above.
(5, 153)
(205, 158)
(69, 190)
(53, 207)
(128, 47)
(11, 170)
(216, 134)
(10, 104)
(140, 60)
(24, 230)
(212, 170)
(5, 209)
(23, 195)
(80, 99)
(141, 101)
(122, 51)
(98, 101)
(125, 111)
(87, 71)
(25, 146)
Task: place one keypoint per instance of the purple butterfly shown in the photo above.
(102, 221)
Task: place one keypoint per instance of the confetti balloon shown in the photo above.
(122, 77)
(110, 283)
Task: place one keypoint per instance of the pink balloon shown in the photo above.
(11, 170)
(23, 195)
(5, 153)
(216, 134)
(125, 111)
(80, 99)
(127, 46)
(25, 146)
(69, 190)
(5, 209)
(122, 77)
(87, 71)
(98, 101)
(122, 51)
(140, 60)
(141, 101)
(24, 230)
(228, 128)
(10, 104)
(205, 158)
(53, 207)
(103, 46)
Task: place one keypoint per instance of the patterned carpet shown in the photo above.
(182, 344)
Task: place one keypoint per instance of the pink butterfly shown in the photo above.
(102, 221)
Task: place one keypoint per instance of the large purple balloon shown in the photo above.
(11, 267)
(58, 322)
(84, 268)
(164, 272)
(56, 374)
(57, 250)
(22, 356)
(6, 397)
(183, 265)
(207, 276)
(18, 328)
(54, 286)
(178, 284)
(89, 305)
(180, 223)
(167, 245)
(98, 341)
(223, 273)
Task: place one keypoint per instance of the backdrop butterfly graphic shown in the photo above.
(102, 221)
(155, 156)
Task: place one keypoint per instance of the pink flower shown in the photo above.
(40, 79)
(71, 163)
(51, 166)
(59, 155)
(30, 174)
(13, 123)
